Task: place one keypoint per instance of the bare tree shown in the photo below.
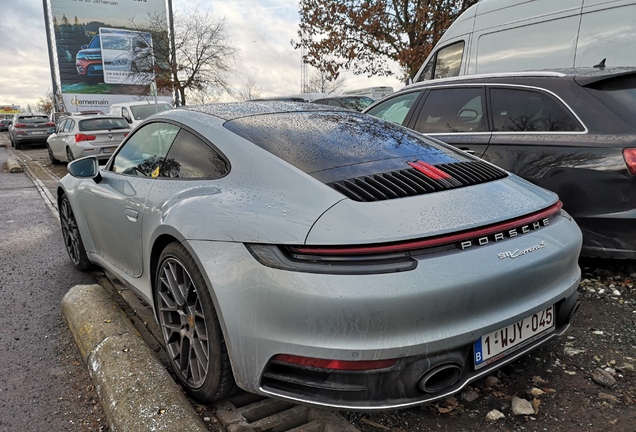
(248, 90)
(202, 57)
(321, 82)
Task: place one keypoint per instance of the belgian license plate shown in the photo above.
(37, 132)
(497, 344)
(108, 149)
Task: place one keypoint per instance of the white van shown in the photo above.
(514, 35)
(137, 111)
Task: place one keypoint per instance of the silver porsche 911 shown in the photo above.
(323, 256)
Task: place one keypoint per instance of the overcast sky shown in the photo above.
(261, 30)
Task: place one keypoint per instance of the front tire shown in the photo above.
(190, 327)
(72, 238)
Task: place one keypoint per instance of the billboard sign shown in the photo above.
(104, 50)
(9, 109)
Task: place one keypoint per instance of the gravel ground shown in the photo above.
(583, 381)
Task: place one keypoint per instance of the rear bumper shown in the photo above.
(411, 381)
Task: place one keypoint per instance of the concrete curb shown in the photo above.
(135, 390)
(13, 165)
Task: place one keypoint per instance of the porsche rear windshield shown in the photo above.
(323, 140)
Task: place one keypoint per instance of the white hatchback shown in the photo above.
(95, 135)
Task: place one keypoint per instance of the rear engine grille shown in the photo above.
(411, 182)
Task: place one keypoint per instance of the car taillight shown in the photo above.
(334, 364)
(83, 137)
(50, 124)
(19, 125)
(630, 159)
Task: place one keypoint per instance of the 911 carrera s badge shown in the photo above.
(519, 252)
(495, 237)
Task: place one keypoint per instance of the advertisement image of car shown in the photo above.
(88, 61)
(126, 56)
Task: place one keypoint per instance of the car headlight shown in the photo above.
(81, 56)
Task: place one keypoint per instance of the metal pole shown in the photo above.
(47, 23)
(173, 51)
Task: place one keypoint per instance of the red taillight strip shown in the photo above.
(334, 364)
(629, 154)
(427, 243)
(429, 170)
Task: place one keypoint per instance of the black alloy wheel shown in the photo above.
(190, 327)
(72, 237)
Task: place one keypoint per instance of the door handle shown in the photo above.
(131, 214)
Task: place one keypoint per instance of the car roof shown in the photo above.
(583, 76)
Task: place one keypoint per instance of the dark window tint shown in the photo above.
(191, 157)
(144, 152)
(529, 111)
(102, 124)
(33, 119)
(619, 95)
(319, 140)
(453, 110)
(396, 108)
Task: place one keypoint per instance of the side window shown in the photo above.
(126, 114)
(145, 151)
(445, 63)
(61, 126)
(526, 110)
(395, 109)
(68, 127)
(191, 157)
(453, 110)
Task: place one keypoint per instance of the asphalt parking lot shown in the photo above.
(584, 380)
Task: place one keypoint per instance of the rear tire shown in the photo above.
(190, 327)
(51, 157)
(69, 155)
(72, 238)
(18, 145)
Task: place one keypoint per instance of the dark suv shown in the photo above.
(570, 131)
(31, 128)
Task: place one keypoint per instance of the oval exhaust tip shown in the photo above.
(440, 378)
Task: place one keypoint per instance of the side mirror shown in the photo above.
(85, 168)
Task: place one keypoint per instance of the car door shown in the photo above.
(456, 115)
(536, 136)
(57, 142)
(114, 207)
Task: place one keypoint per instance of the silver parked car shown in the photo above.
(323, 256)
(90, 135)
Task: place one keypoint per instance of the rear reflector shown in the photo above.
(334, 364)
(630, 159)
